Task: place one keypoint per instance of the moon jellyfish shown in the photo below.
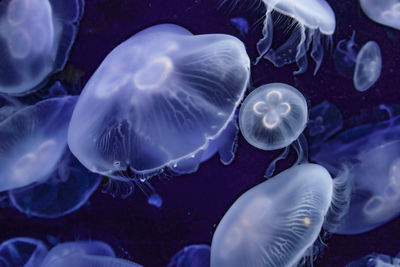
(22, 251)
(364, 66)
(155, 200)
(273, 116)
(315, 22)
(373, 152)
(36, 37)
(82, 254)
(376, 260)
(33, 140)
(65, 190)
(241, 25)
(386, 12)
(277, 222)
(161, 108)
(191, 256)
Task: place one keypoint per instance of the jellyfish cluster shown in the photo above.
(168, 99)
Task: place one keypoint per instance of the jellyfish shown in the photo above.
(241, 25)
(155, 200)
(84, 253)
(22, 251)
(33, 140)
(191, 256)
(277, 222)
(376, 260)
(386, 12)
(364, 66)
(36, 37)
(372, 152)
(315, 22)
(161, 109)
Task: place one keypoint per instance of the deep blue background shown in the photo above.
(194, 204)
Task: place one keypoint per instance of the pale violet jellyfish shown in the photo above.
(372, 152)
(22, 251)
(376, 260)
(158, 101)
(83, 254)
(36, 37)
(386, 12)
(192, 256)
(315, 21)
(277, 222)
(363, 65)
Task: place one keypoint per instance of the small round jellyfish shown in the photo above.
(376, 260)
(83, 254)
(192, 256)
(273, 116)
(36, 36)
(22, 251)
(363, 66)
(161, 108)
(276, 222)
(315, 20)
(386, 12)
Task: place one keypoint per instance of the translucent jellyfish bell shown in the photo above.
(162, 107)
(376, 260)
(191, 256)
(36, 38)
(33, 140)
(386, 12)
(364, 66)
(22, 251)
(276, 222)
(315, 19)
(273, 116)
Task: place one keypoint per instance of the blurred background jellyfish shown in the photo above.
(83, 254)
(192, 256)
(363, 65)
(315, 22)
(376, 260)
(386, 12)
(372, 152)
(162, 108)
(277, 222)
(36, 37)
(22, 251)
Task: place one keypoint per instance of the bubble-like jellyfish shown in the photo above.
(273, 116)
(386, 12)
(191, 256)
(82, 254)
(36, 37)
(161, 108)
(277, 222)
(315, 24)
(372, 152)
(33, 140)
(22, 251)
(363, 65)
(376, 260)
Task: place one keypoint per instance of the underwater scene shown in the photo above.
(199, 133)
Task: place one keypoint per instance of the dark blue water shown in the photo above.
(194, 204)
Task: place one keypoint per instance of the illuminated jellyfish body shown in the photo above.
(386, 12)
(372, 152)
(33, 140)
(162, 108)
(376, 260)
(315, 22)
(277, 222)
(363, 65)
(22, 251)
(36, 36)
(82, 254)
(8, 106)
(191, 256)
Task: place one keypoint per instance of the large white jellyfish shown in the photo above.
(35, 39)
(315, 21)
(386, 12)
(276, 222)
(157, 101)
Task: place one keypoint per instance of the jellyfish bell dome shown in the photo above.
(160, 108)
(275, 222)
(273, 116)
(386, 12)
(368, 66)
(191, 256)
(22, 251)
